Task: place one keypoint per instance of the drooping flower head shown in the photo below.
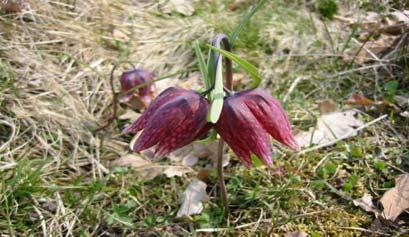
(130, 79)
(247, 119)
(174, 119)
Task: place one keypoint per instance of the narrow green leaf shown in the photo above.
(218, 94)
(210, 66)
(202, 65)
(248, 67)
(245, 20)
(210, 71)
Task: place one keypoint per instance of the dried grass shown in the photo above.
(60, 55)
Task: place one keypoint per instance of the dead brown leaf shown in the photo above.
(129, 115)
(400, 16)
(190, 154)
(327, 106)
(145, 169)
(374, 47)
(192, 198)
(366, 204)
(396, 200)
(173, 171)
(184, 7)
(239, 4)
(360, 100)
(204, 174)
(13, 6)
(297, 234)
(377, 33)
(330, 127)
(131, 160)
(120, 35)
(375, 24)
(402, 101)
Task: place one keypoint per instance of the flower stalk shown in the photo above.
(217, 41)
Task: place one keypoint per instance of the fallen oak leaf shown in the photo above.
(145, 169)
(192, 198)
(347, 135)
(173, 171)
(359, 99)
(330, 127)
(131, 160)
(396, 200)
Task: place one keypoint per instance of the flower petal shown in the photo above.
(271, 116)
(226, 130)
(168, 117)
(175, 124)
(133, 78)
(192, 127)
(163, 98)
(242, 132)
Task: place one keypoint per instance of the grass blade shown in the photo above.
(202, 66)
(239, 28)
(210, 66)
